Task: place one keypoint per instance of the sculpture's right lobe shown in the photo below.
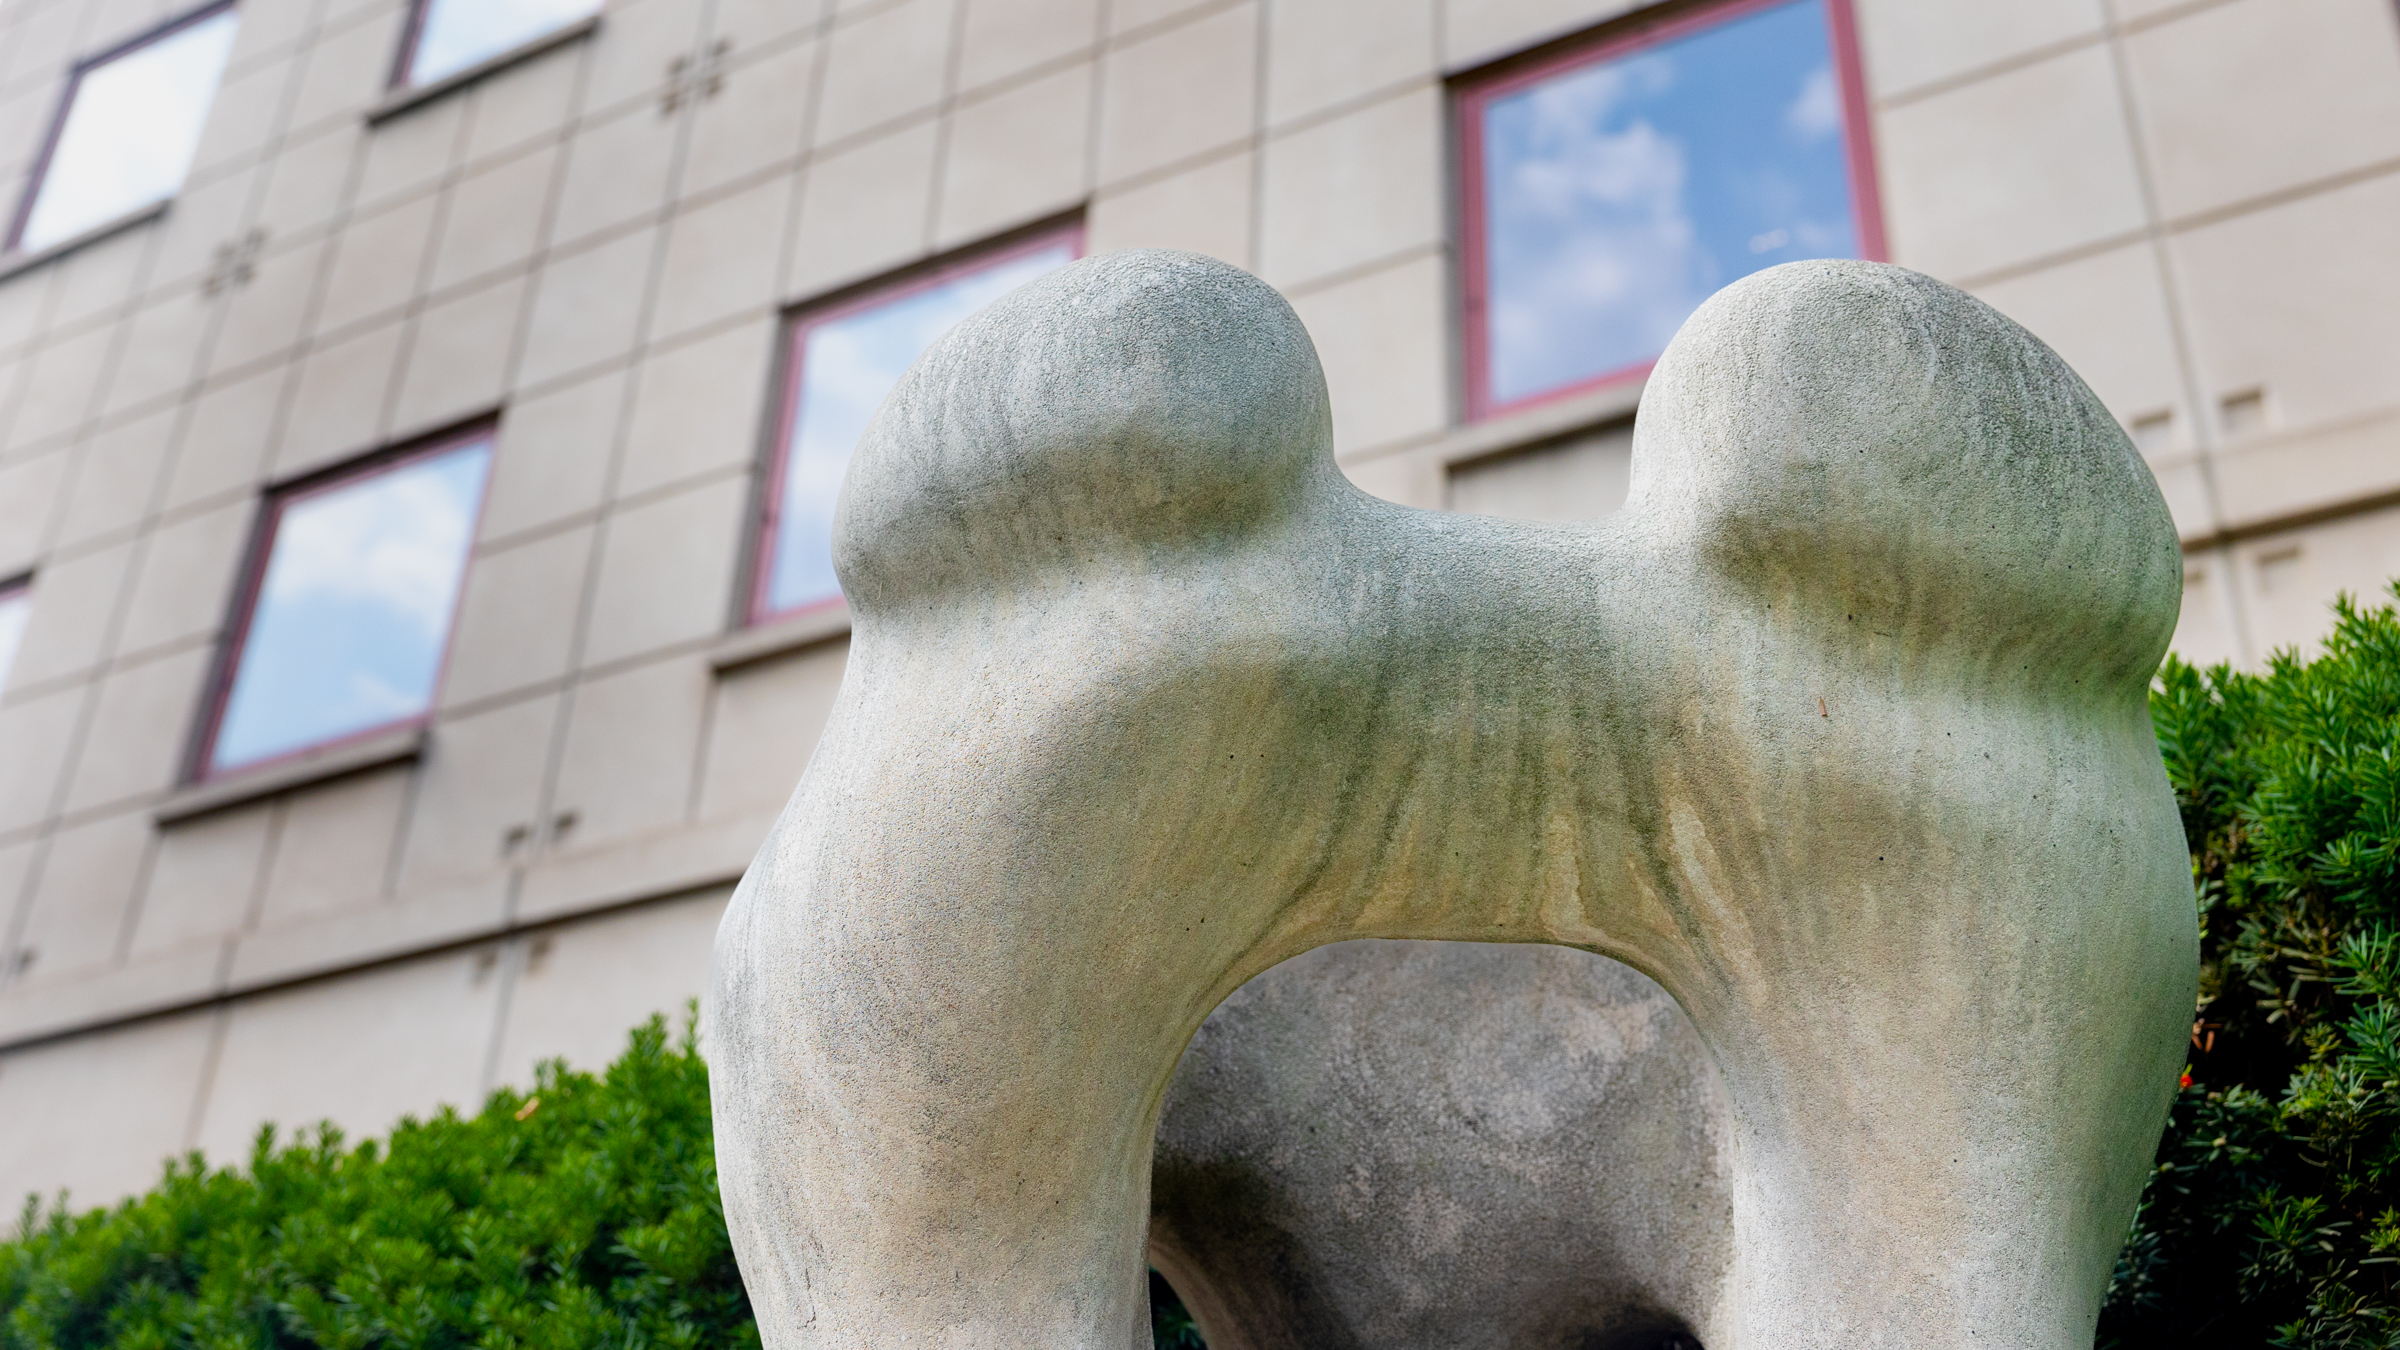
(1839, 732)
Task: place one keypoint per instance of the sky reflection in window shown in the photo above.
(846, 365)
(130, 130)
(455, 34)
(1619, 195)
(353, 612)
(16, 605)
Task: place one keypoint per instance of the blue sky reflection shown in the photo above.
(1620, 195)
(847, 365)
(130, 133)
(354, 611)
(16, 605)
(458, 33)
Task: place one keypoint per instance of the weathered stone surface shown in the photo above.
(1838, 731)
(1463, 1145)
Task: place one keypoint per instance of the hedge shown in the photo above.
(585, 1213)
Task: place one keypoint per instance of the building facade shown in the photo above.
(419, 419)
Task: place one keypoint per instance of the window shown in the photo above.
(16, 604)
(448, 36)
(126, 131)
(1610, 190)
(348, 615)
(842, 360)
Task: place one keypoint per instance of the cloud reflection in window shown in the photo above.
(1617, 196)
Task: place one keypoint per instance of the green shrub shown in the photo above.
(2273, 1217)
(582, 1216)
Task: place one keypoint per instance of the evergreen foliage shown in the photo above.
(2273, 1218)
(582, 1216)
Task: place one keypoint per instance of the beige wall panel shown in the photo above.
(1324, 52)
(347, 66)
(481, 776)
(225, 447)
(43, 41)
(207, 215)
(458, 359)
(2271, 478)
(135, 743)
(1178, 93)
(305, 184)
(526, 103)
(275, 25)
(584, 986)
(586, 307)
(757, 121)
(750, 24)
(34, 736)
(21, 302)
(24, 109)
(59, 389)
(361, 1051)
(98, 1115)
(187, 576)
(2206, 632)
(767, 721)
(1205, 208)
(1409, 478)
(337, 407)
(2297, 576)
(633, 746)
(1382, 338)
(884, 66)
(2248, 98)
(204, 880)
(552, 457)
(516, 617)
(1354, 189)
(378, 263)
(29, 493)
(243, 115)
(1015, 156)
(333, 853)
(162, 345)
(1909, 43)
(1125, 16)
(630, 53)
(1582, 478)
(862, 210)
(96, 280)
(700, 409)
(666, 572)
(2009, 168)
(2107, 315)
(493, 218)
(720, 259)
(1475, 31)
(72, 604)
(1002, 38)
(81, 898)
(263, 315)
(116, 479)
(616, 172)
(2300, 301)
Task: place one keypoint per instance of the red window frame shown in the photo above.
(253, 578)
(413, 33)
(66, 104)
(842, 304)
(1477, 93)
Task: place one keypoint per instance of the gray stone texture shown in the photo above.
(1838, 731)
(1464, 1145)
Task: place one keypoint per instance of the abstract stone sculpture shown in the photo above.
(1838, 731)
(1459, 1145)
